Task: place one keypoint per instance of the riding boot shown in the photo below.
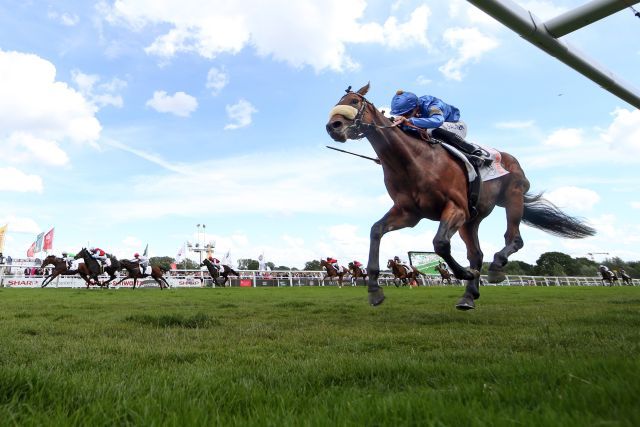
(474, 155)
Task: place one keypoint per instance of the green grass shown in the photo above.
(320, 356)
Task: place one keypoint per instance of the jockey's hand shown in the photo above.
(401, 121)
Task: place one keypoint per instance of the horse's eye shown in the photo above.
(354, 101)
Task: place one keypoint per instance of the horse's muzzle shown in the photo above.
(336, 128)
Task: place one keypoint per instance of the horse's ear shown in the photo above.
(364, 89)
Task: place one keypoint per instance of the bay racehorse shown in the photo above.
(332, 273)
(607, 276)
(626, 279)
(94, 267)
(91, 269)
(224, 272)
(133, 272)
(60, 267)
(425, 181)
(406, 274)
(445, 274)
(357, 272)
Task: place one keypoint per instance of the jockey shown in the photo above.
(443, 266)
(357, 263)
(68, 258)
(439, 118)
(100, 256)
(215, 262)
(334, 263)
(142, 260)
(399, 261)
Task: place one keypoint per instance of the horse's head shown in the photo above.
(390, 263)
(349, 118)
(50, 259)
(81, 254)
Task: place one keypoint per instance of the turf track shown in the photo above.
(320, 356)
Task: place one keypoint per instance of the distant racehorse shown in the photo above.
(94, 267)
(91, 269)
(357, 273)
(224, 273)
(425, 181)
(445, 275)
(607, 276)
(406, 274)
(332, 273)
(626, 279)
(133, 271)
(60, 267)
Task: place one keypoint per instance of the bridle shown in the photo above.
(360, 127)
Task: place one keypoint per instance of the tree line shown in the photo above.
(548, 264)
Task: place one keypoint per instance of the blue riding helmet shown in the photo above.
(403, 102)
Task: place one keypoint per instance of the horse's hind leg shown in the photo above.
(469, 235)
(514, 207)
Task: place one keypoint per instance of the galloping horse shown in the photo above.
(607, 276)
(445, 274)
(357, 272)
(91, 268)
(224, 272)
(133, 272)
(626, 279)
(425, 181)
(332, 273)
(60, 267)
(407, 275)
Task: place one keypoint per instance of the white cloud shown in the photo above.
(20, 224)
(32, 101)
(216, 80)
(423, 81)
(470, 44)
(240, 114)
(565, 138)
(635, 205)
(21, 147)
(99, 94)
(12, 179)
(301, 33)
(515, 124)
(623, 135)
(179, 103)
(574, 198)
(64, 18)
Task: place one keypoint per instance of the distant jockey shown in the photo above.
(100, 256)
(142, 261)
(436, 116)
(357, 263)
(68, 258)
(215, 262)
(334, 263)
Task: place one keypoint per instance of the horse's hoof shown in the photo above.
(496, 276)
(465, 304)
(376, 298)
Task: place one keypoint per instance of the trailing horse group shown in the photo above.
(90, 269)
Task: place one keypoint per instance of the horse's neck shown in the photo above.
(394, 148)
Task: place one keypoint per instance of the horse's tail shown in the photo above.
(544, 215)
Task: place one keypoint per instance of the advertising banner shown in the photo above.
(425, 262)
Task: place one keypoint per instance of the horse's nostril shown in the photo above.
(337, 124)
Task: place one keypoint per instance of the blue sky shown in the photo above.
(126, 123)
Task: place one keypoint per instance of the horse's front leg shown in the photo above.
(452, 218)
(469, 235)
(395, 219)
